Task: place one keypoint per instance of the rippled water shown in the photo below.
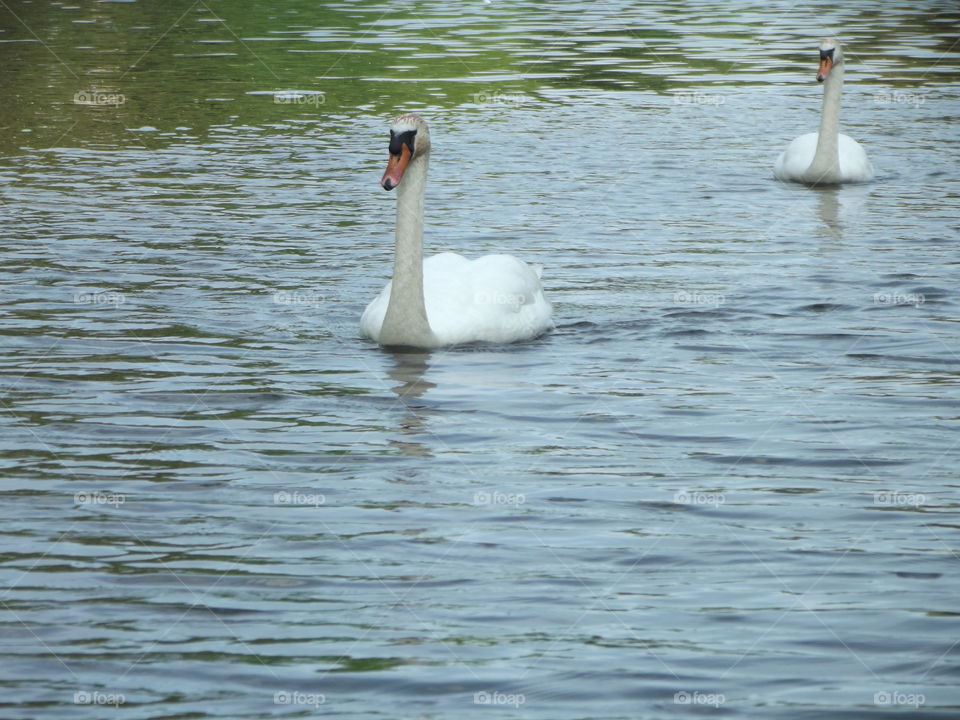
(726, 484)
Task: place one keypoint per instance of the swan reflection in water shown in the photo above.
(407, 372)
(828, 207)
(839, 208)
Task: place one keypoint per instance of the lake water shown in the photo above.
(726, 485)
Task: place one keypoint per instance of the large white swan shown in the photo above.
(826, 157)
(446, 299)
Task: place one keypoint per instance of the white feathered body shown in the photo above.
(493, 299)
(794, 162)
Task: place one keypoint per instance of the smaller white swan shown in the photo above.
(447, 299)
(827, 157)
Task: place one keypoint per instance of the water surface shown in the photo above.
(726, 484)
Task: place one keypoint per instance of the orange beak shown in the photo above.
(824, 70)
(396, 166)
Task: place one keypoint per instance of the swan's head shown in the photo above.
(830, 54)
(409, 139)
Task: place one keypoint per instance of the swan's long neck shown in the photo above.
(825, 166)
(405, 322)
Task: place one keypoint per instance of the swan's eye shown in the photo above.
(398, 140)
(827, 54)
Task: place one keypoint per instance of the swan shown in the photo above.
(827, 157)
(446, 299)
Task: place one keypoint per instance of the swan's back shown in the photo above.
(793, 163)
(494, 299)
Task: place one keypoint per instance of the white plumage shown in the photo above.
(495, 299)
(852, 161)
